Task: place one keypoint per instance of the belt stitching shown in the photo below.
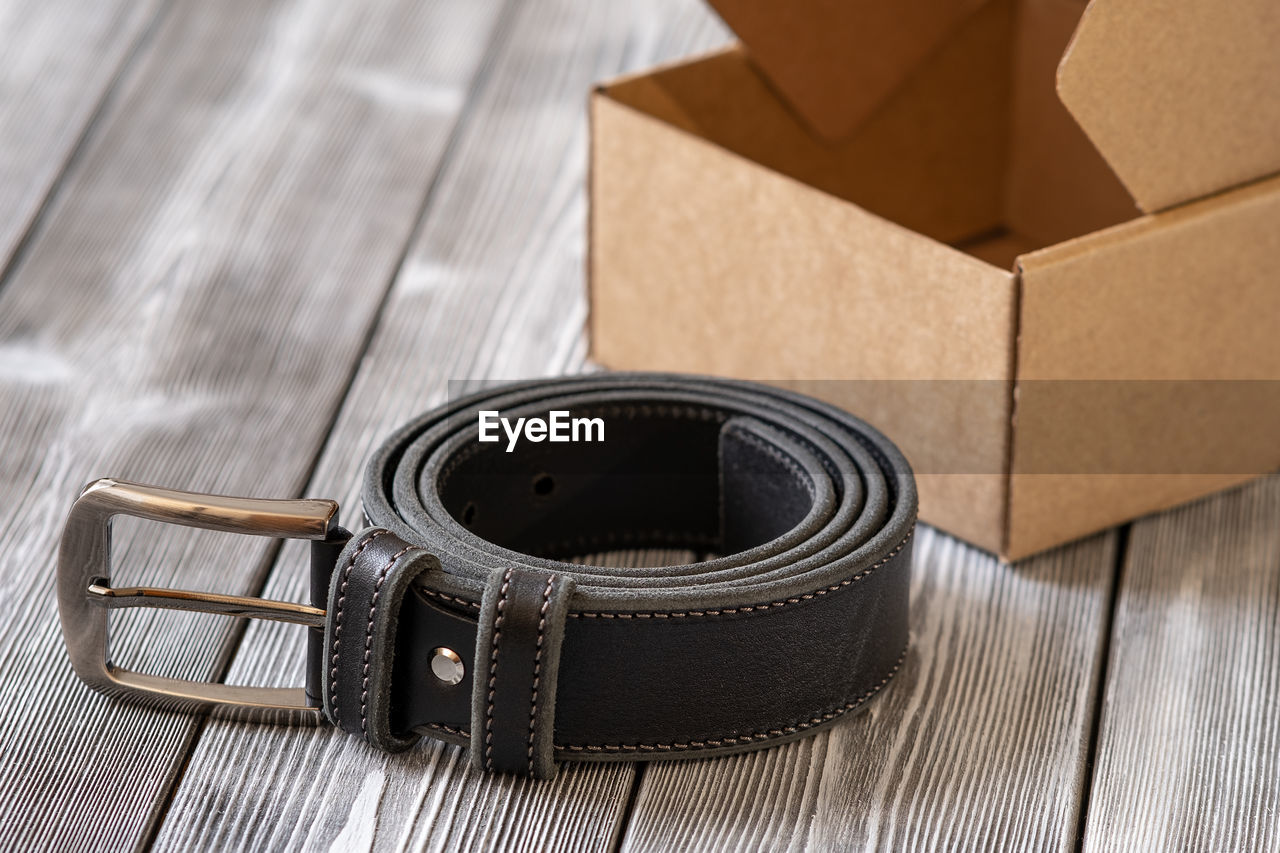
(732, 740)
(537, 665)
(337, 626)
(493, 668)
(695, 614)
(368, 635)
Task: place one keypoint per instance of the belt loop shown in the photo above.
(373, 573)
(522, 620)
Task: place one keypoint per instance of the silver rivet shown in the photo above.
(447, 666)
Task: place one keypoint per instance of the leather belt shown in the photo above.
(455, 613)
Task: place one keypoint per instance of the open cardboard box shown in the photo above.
(907, 221)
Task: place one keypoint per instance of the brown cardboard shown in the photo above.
(952, 109)
(836, 61)
(783, 299)
(1057, 186)
(1185, 295)
(965, 266)
(1179, 95)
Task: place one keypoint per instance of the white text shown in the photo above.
(557, 426)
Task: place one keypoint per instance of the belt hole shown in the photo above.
(543, 485)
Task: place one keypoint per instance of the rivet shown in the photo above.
(447, 666)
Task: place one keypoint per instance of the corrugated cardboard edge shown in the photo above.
(1011, 430)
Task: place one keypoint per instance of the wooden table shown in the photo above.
(242, 239)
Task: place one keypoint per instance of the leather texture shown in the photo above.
(522, 617)
(365, 597)
(795, 614)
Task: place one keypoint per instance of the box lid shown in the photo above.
(835, 61)
(1182, 97)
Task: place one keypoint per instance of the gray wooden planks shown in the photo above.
(190, 314)
(979, 742)
(61, 58)
(491, 288)
(1188, 756)
(197, 293)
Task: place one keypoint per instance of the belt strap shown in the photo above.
(798, 615)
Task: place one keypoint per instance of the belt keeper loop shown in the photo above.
(373, 573)
(522, 622)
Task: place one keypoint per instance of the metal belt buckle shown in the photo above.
(85, 593)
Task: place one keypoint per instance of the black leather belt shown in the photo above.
(454, 615)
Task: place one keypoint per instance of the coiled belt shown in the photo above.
(454, 614)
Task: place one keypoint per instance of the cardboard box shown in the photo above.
(1060, 339)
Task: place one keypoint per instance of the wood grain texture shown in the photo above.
(320, 789)
(203, 284)
(1188, 755)
(190, 314)
(61, 58)
(979, 743)
(492, 288)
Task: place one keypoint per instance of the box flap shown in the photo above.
(835, 61)
(1178, 95)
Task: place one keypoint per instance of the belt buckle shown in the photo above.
(85, 594)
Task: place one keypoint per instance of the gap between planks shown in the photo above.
(1100, 685)
(70, 98)
(1188, 754)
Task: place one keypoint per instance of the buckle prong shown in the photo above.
(85, 593)
(161, 598)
